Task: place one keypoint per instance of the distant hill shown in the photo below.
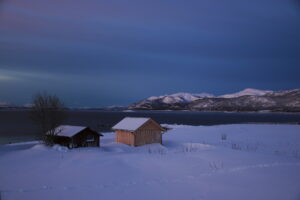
(248, 91)
(245, 100)
(4, 104)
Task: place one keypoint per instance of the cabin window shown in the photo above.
(90, 138)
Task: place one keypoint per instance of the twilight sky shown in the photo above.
(116, 52)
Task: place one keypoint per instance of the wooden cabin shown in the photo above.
(76, 136)
(136, 131)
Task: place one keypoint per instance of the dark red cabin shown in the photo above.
(76, 136)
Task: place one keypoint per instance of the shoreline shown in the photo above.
(138, 110)
(33, 138)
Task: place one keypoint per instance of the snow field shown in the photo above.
(202, 162)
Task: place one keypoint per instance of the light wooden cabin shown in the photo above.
(136, 131)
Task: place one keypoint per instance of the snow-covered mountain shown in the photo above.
(245, 100)
(177, 99)
(283, 101)
(248, 91)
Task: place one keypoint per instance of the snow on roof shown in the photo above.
(130, 123)
(67, 130)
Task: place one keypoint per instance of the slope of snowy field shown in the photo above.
(246, 162)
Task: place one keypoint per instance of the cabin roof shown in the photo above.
(130, 123)
(69, 131)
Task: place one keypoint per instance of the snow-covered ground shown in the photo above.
(243, 162)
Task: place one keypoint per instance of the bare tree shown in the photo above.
(48, 112)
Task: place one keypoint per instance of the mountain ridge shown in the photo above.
(247, 91)
(246, 100)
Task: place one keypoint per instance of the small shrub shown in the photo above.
(251, 148)
(223, 137)
(235, 146)
(157, 151)
(216, 165)
(161, 151)
(189, 148)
